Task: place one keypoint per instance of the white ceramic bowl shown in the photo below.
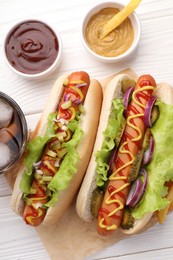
(48, 70)
(134, 21)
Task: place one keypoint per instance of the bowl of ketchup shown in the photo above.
(32, 49)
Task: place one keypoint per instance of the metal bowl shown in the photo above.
(13, 132)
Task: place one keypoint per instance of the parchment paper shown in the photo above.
(71, 238)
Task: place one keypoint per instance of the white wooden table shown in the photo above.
(154, 55)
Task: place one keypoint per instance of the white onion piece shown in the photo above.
(127, 96)
(37, 165)
(57, 162)
(148, 111)
(149, 152)
(38, 205)
(134, 193)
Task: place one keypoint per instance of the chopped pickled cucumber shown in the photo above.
(155, 114)
(51, 153)
(61, 152)
(66, 104)
(146, 140)
(33, 190)
(28, 201)
(96, 201)
(47, 178)
(48, 193)
(81, 108)
(55, 145)
(136, 166)
(127, 83)
(128, 220)
(120, 132)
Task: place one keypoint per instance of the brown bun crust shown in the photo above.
(83, 204)
(89, 124)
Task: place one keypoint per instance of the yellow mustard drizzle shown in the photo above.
(47, 163)
(134, 127)
(76, 82)
(124, 151)
(30, 218)
(107, 227)
(78, 91)
(113, 175)
(139, 90)
(73, 113)
(110, 201)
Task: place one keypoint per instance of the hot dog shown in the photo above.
(59, 150)
(119, 179)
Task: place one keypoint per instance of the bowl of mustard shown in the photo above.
(120, 43)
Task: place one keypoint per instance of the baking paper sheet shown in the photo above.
(72, 238)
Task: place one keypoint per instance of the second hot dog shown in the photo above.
(119, 176)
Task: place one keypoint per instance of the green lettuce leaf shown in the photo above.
(160, 169)
(34, 151)
(110, 133)
(73, 125)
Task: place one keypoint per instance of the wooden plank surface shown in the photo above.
(154, 55)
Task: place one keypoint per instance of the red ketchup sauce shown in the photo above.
(31, 47)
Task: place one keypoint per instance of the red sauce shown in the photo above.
(31, 47)
(145, 83)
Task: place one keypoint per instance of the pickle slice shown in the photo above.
(128, 220)
(136, 166)
(128, 83)
(96, 201)
(146, 140)
(154, 114)
(120, 131)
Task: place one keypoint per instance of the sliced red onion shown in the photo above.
(134, 193)
(66, 97)
(127, 96)
(111, 161)
(143, 173)
(137, 189)
(148, 111)
(149, 152)
(77, 101)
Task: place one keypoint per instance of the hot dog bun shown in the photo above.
(88, 124)
(113, 89)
